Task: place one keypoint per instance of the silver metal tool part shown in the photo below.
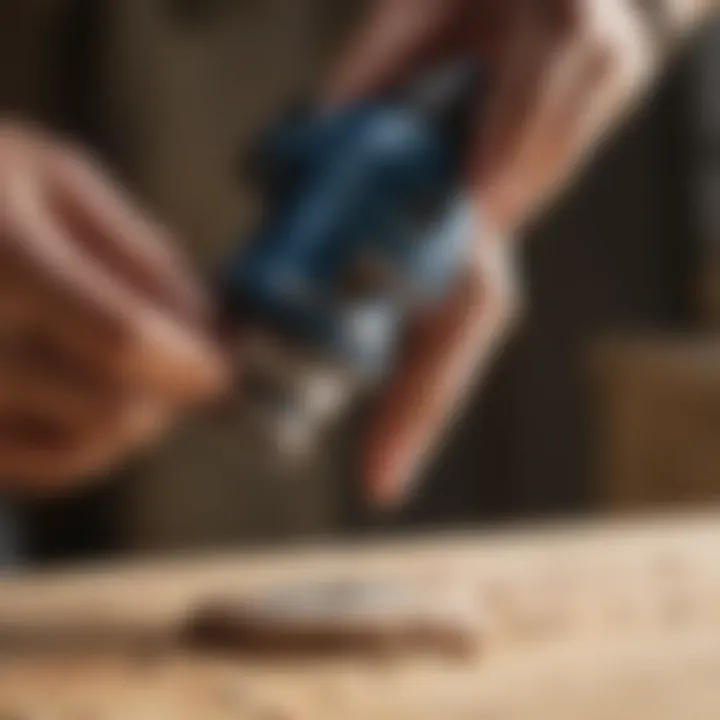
(290, 394)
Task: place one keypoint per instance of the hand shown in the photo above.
(561, 71)
(103, 332)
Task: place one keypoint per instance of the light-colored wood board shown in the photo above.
(613, 621)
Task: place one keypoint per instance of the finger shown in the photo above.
(136, 341)
(443, 352)
(570, 125)
(35, 386)
(135, 425)
(41, 458)
(594, 79)
(519, 86)
(550, 150)
(617, 65)
(392, 41)
(400, 38)
(109, 224)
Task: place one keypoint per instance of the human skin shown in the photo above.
(105, 338)
(564, 72)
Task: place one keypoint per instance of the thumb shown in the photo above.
(395, 37)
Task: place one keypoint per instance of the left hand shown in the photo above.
(563, 71)
(106, 339)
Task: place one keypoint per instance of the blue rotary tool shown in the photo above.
(365, 223)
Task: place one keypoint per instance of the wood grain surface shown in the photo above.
(609, 621)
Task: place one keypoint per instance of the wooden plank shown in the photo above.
(619, 621)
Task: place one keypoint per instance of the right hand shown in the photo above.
(104, 334)
(562, 73)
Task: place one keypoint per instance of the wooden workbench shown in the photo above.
(616, 622)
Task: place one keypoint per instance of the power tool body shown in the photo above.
(365, 223)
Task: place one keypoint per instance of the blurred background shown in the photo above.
(607, 399)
